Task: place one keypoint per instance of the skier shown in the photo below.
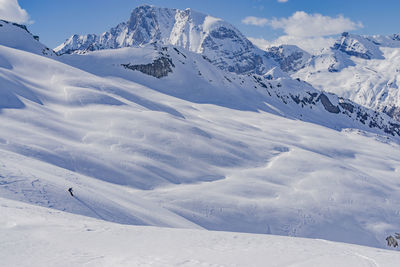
(70, 191)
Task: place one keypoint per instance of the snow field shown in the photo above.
(35, 236)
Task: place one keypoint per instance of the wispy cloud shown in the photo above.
(312, 32)
(10, 10)
(304, 24)
(312, 45)
(282, 1)
(255, 21)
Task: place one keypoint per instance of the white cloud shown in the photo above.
(282, 1)
(308, 31)
(255, 21)
(11, 11)
(312, 45)
(302, 24)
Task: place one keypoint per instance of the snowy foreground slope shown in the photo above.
(135, 155)
(33, 236)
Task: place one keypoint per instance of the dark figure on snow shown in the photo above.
(70, 191)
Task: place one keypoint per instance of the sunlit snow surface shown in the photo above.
(33, 236)
(200, 154)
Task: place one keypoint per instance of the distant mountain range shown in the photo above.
(225, 47)
(365, 69)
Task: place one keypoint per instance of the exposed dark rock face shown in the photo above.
(396, 37)
(347, 106)
(161, 67)
(352, 53)
(393, 112)
(328, 105)
(240, 60)
(45, 51)
(224, 33)
(15, 24)
(290, 62)
(358, 46)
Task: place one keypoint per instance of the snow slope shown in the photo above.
(17, 36)
(33, 236)
(208, 84)
(159, 135)
(138, 155)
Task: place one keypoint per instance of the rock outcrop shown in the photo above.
(160, 67)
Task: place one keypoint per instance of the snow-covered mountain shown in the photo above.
(156, 133)
(224, 46)
(216, 39)
(173, 29)
(290, 57)
(365, 69)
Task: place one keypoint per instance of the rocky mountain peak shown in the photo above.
(290, 57)
(358, 46)
(219, 42)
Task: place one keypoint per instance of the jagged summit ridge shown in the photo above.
(148, 24)
(219, 42)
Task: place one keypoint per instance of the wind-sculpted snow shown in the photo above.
(200, 147)
(209, 85)
(196, 147)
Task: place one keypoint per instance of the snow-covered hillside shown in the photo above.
(365, 69)
(180, 68)
(124, 147)
(17, 36)
(160, 135)
(33, 236)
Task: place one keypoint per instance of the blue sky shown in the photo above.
(55, 21)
